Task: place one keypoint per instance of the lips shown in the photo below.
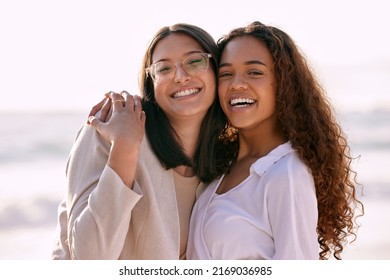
(241, 102)
(186, 92)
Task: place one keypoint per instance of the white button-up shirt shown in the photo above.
(272, 214)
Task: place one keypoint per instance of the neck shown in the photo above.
(258, 143)
(184, 171)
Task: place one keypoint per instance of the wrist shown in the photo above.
(123, 160)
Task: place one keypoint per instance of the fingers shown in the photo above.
(96, 108)
(143, 118)
(105, 109)
(94, 122)
(123, 101)
(117, 101)
(138, 105)
(132, 102)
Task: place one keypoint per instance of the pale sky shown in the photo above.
(64, 55)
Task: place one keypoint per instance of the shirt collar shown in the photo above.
(262, 164)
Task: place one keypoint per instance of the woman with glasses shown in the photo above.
(130, 193)
(291, 193)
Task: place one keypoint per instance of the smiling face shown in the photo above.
(247, 87)
(184, 95)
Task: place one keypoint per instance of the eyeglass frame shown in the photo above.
(206, 55)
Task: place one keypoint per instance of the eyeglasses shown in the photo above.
(163, 71)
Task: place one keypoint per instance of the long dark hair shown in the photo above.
(307, 119)
(208, 162)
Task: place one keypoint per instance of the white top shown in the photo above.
(272, 214)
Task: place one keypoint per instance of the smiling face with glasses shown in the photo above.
(184, 81)
(194, 64)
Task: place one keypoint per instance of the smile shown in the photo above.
(186, 92)
(241, 102)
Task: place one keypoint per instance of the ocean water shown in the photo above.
(34, 149)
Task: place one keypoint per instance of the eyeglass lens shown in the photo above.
(193, 64)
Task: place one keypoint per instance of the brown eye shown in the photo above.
(255, 73)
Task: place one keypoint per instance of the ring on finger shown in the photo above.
(121, 101)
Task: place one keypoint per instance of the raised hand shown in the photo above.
(124, 130)
(103, 106)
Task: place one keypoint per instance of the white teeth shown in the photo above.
(185, 92)
(241, 102)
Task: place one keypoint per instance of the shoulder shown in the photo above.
(289, 184)
(281, 160)
(88, 150)
(88, 136)
(290, 165)
(288, 168)
(288, 174)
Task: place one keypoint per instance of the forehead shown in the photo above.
(246, 48)
(175, 46)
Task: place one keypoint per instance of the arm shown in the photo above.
(101, 173)
(293, 213)
(124, 131)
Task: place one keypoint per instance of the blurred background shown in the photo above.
(58, 58)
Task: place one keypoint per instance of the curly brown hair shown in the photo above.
(307, 119)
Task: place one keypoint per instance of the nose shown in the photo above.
(180, 74)
(238, 83)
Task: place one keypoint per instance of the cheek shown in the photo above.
(222, 85)
(271, 101)
(210, 84)
(210, 80)
(158, 93)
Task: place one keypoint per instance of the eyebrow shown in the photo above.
(185, 54)
(250, 62)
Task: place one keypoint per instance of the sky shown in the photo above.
(64, 55)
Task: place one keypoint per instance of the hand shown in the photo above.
(124, 130)
(127, 122)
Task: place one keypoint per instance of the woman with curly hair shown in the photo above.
(291, 192)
